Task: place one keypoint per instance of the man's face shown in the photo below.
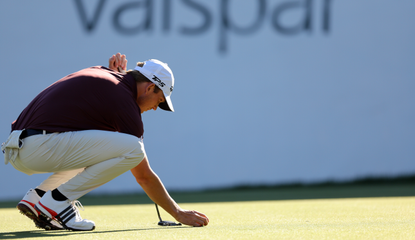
(150, 100)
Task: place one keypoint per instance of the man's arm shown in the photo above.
(156, 191)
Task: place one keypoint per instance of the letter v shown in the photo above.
(89, 24)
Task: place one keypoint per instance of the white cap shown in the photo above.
(160, 74)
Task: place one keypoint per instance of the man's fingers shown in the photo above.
(111, 61)
(193, 218)
(202, 219)
(203, 216)
(125, 64)
(123, 61)
(202, 222)
(120, 61)
(117, 62)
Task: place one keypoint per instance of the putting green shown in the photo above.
(353, 218)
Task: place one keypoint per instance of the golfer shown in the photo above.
(87, 129)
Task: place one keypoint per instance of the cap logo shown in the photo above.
(155, 78)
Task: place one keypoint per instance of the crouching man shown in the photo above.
(86, 129)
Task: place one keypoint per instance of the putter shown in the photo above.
(165, 223)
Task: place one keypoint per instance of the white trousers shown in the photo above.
(81, 161)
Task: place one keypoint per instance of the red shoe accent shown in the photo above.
(31, 204)
(53, 213)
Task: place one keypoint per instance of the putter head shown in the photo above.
(168, 223)
(165, 223)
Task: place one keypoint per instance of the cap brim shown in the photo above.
(167, 105)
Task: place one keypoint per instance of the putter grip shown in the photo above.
(121, 70)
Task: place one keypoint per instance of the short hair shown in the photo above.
(139, 78)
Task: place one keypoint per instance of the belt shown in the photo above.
(30, 132)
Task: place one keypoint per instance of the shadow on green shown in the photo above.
(64, 233)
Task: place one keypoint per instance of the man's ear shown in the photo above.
(150, 88)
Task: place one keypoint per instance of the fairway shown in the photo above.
(352, 218)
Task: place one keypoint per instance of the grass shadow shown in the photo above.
(64, 233)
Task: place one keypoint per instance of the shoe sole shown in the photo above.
(39, 221)
(47, 218)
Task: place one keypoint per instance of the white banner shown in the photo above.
(267, 91)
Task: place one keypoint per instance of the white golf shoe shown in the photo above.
(65, 212)
(27, 207)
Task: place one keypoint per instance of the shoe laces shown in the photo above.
(77, 205)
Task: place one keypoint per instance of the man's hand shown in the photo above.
(118, 63)
(192, 218)
(155, 189)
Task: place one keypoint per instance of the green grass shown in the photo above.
(352, 218)
(364, 209)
